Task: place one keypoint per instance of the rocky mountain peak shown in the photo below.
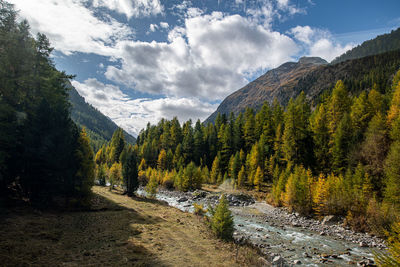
(312, 60)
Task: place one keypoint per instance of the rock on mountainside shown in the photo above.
(99, 126)
(268, 86)
(313, 76)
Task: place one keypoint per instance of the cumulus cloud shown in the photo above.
(317, 42)
(132, 8)
(72, 27)
(164, 25)
(153, 27)
(207, 58)
(134, 114)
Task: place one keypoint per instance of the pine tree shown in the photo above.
(394, 110)
(319, 126)
(215, 171)
(85, 174)
(249, 129)
(162, 160)
(392, 172)
(320, 196)
(101, 174)
(115, 174)
(361, 114)
(258, 178)
(338, 106)
(374, 149)
(130, 173)
(222, 220)
(342, 144)
(117, 145)
(152, 185)
(241, 177)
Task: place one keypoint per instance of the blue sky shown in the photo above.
(138, 61)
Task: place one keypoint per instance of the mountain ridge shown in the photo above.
(99, 127)
(312, 79)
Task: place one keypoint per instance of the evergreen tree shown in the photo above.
(342, 144)
(215, 171)
(130, 173)
(319, 126)
(392, 172)
(258, 178)
(222, 220)
(85, 174)
(241, 177)
(162, 160)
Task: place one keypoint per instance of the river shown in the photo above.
(280, 241)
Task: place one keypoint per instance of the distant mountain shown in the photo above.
(313, 76)
(99, 127)
(382, 43)
(268, 86)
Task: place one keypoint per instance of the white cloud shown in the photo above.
(303, 33)
(317, 42)
(208, 58)
(286, 6)
(193, 12)
(71, 27)
(153, 27)
(327, 49)
(134, 114)
(164, 25)
(132, 8)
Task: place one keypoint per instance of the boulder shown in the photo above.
(331, 219)
(182, 199)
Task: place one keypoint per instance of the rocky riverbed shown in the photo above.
(285, 238)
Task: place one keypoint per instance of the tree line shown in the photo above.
(44, 156)
(339, 157)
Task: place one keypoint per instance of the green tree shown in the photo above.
(115, 174)
(117, 145)
(130, 173)
(101, 175)
(392, 172)
(162, 160)
(319, 126)
(222, 220)
(258, 178)
(85, 174)
(215, 170)
(342, 144)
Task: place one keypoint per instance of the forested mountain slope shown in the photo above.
(381, 44)
(99, 127)
(290, 79)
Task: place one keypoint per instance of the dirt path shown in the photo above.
(118, 231)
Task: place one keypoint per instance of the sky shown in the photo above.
(138, 61)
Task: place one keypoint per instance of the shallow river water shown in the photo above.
(291, 244)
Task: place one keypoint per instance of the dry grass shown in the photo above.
(117, 231)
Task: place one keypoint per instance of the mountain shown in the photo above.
(380, 44)
(313, 76)
(99, 127)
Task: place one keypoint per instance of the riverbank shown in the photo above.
(115, 231)
(284, 236)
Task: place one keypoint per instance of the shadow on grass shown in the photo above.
(100, 236)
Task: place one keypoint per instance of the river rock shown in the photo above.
(182, 199)
(331, 220)
(277, 260)
(297, 262)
